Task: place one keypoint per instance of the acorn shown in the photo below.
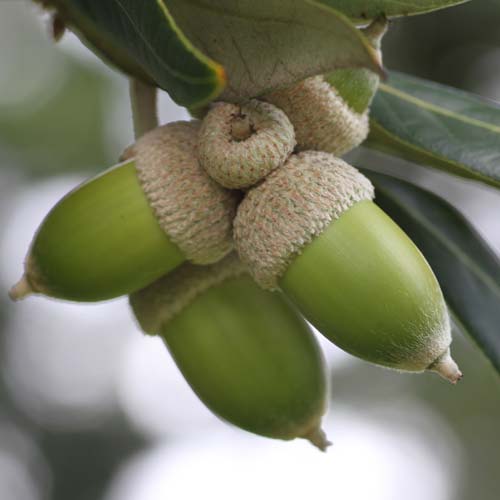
(330, 112)
(132, 224)
(240, 144)
(246, 352)
(312, 230)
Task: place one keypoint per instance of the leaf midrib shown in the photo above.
(437, 109)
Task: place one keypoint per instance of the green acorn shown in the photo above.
(330, 112)
(312, 230)
(132, 224)
(246, 352)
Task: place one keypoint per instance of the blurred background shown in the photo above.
(90, 409)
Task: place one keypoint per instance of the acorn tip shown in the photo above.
(317, 437)
(446, 367)
(21, 289)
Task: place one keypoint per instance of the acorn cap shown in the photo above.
(155, 305)
(194, 211)
(321, 118)
(240, 145)
(290, 208)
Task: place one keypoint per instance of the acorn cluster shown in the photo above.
(228, 232)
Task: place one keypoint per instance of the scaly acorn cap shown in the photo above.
(157, 304)
(246, 352)
(322, 120)
(312, 230)
(132, 224)
(194, 211)
(240, 144)
(293, 206)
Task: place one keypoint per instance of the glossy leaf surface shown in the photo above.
(438, 126)
(264, 45)
(194, 49)
(363, 10)
(142, 39)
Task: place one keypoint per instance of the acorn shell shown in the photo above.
(367, 288)
(100, 241)
(246, 352)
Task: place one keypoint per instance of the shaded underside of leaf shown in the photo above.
(365, 10)
(438, 126)
(467, 269)
(98, 41)
(265, 45)
(142, 39)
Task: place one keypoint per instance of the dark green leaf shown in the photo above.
(467, 269)
(263, 45)
(257, 45)
(437, 126)
(142, 39)
(363, 10)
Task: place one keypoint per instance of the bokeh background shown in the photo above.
(91, 409)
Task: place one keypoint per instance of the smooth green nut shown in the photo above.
(100, 241)
(246, 352)
(356, 86)
(312, 230)
(132, 224)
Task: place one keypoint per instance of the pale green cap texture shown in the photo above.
(194, 211)
(322, 119)
(155, 305)
(236, 161)
(295, 203)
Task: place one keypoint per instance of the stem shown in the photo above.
(376, 31)
(143, 100)
(241, 128)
